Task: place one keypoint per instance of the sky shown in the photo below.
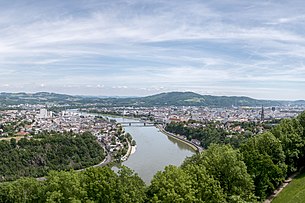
(143, 47)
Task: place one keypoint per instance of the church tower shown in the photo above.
(262, 114)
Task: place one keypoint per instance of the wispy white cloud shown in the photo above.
(78, 45)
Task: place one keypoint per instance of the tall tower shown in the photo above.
(262, 114)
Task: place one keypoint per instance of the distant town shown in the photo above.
(24, 115)
(34, 120)
(31, 119)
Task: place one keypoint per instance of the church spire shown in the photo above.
(262, 114)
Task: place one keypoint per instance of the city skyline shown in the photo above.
(138, 48)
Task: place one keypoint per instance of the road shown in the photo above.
(104, 162)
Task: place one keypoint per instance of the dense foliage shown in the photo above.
(48, 151)
(290, 133)
(215, 175)
(265, 161)
(220, 173)
(207, 134)
(92, 185)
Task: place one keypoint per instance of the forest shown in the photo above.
(221, 173)
(36, 155)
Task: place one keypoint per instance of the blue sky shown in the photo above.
(143, 47)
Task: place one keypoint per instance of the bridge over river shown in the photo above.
(137, 123)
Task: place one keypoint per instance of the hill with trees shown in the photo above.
(36, 156)
(163, 99)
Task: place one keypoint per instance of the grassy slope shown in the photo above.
(294, 192)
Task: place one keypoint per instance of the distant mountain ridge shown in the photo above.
(194, 99)
(162, 99)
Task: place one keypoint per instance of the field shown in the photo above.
(294, 192)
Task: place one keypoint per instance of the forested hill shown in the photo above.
(36, 156)
(163, 99)
(193, 99)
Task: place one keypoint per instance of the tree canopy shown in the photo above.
(34, 157)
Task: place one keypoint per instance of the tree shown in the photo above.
(290, 133)
(64, 187)
(100, 184)
(265, 160)
(171, 185)
(207, 189)
(130, 187)
(13, 142)
(226, 165)
(23, 190)
(301, 118)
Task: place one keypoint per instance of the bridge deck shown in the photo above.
(137, 123)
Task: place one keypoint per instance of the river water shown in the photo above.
(154, 151)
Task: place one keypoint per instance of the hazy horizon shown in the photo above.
(140, 48)
(133, 96)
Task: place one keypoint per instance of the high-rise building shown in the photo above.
(43, 113)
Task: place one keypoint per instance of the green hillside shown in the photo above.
(294, 192)
(193, 99)
(163, 99)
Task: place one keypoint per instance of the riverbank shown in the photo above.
(195, 147)
(131, 150)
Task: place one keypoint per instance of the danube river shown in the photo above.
(154, 151)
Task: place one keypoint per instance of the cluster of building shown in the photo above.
(230, 119)
(35, 119)
(181, 114)
(38, 120)
(44, 120)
